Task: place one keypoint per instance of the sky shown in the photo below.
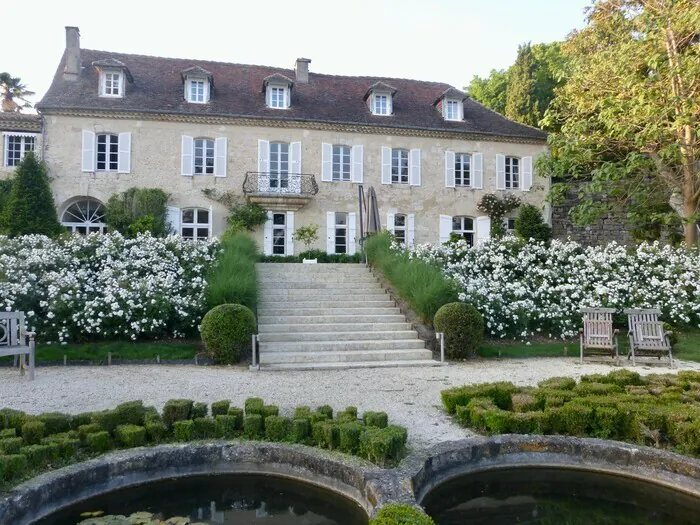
(439, 40)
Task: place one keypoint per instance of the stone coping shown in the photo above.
(368, 485)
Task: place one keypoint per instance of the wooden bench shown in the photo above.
(16, 341)
(646, 334)
(598, 335)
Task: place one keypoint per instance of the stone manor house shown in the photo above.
(296, 142)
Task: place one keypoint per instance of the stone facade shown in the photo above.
(17, 125)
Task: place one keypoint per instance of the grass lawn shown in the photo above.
(687, 348)
(97, 352)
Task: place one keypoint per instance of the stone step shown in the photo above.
(348, 366)
(310, 294)
(342, 346)
(281, 309)
(351, 356)
(314, 278)
(325, 319)
(376, 335)
(318, 285)
(296, 268)
(333, 327)
(350, 302)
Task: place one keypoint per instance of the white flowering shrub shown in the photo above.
(524, 289)
(105, 286)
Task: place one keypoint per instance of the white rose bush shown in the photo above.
(525, 289)
(106, 287)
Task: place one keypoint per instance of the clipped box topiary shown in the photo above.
(131, 413)
(205, 428)
(199, 410)
(276, 428)
(399, 514)
(226, 332)
(349, 437)
(375, 419)
(226, 425)
(84, 430)
(12, 465)
(98, 441)
(254, 405)
(32, 432)
(176, 410)
(183, 430)
(156, 431)
(130, 435)
(220, 408)
(55, 422)
(237, 414)
(8, 433)
(11, 445)
(463, 327)
(270, 410)
(253, 426)
(300, 430)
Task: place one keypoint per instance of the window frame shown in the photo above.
(462, 231)
(344, 172)
(279, 177)
(276, 228)
(461, 172)
(23, 149)
(387, 106)
(111, 152)
(204, 166)
(74, 226)
(401, 238)
(188, 90)
(399, 167)
(507, 223)
(284, 100)
(509, 183)
(458, 106)
(341, 231)
(196, 225)
(120, 83)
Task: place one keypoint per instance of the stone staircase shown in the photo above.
(331, 316)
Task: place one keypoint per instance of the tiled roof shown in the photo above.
(11, 121)
(157, 88)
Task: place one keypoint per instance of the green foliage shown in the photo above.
(176, 410)
(183, 430)
(130, 435)
(8, 433)
(521, 102)
(253, 426)
(220, 407)
(227, 330)
(98, 441)
(558, 383)
(38, 455)
(85, 430)
(227, 425)
(422, 285)
(10, 418)
(300, 430)
(107, 419)
(55, 422)
(5, 189)
(320, 256)
(199, 410)
(490, 91)
(12, 466)
(205, 428)
(400, 514)
(30, 208)
(326, 410)
(254, 405)
(248, 215)
(325, 434)
(349, 437)
(270, 410)
(131, 413)
(463, 327)
(307, 235)
(501, 394)
(382, 446)
(529, 224)
(156, 431)
(138, 210)
(497, 208)
(237, 414)
(375, 419)
(277, 428)
(11, 445)
(233, 279)
(33, 431)
(13, 88)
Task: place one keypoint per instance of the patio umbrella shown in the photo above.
(374, 223)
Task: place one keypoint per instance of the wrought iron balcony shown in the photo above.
(286, 191)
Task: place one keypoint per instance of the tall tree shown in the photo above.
(521, 102)
(490, 91)
(13, 90)
(30, 208)
(629, 111)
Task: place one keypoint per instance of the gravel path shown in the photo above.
(411, 396)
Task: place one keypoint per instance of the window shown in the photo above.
(16, 146)
(107, 152)
(463, 165)
(279, 165)
(464, 227)
(512, 173)
(203, 156)
(509, 224)
(196, 91)
(195, 224)
(279, 233)
(111, 84)
(341, 163)
(341, 233)
(400, 228)
(452, 110)
(278, 97)
(84, 216)
(381, 105)
(399, 166)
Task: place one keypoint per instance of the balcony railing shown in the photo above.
(283, 184)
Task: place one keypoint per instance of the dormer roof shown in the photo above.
(195, 71)
(379, 86)
(113, 63)
(277, 78)
(451, 93)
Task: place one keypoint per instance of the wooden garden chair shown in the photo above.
(16, 341)
(647, 335)
(598, 335)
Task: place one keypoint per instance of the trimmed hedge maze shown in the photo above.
(30, 444)
(658, 410)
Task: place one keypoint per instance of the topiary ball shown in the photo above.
(226, 332)
(463, 327)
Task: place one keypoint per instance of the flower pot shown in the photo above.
(310, 261)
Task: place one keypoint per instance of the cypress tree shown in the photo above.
(30, 208)
(521, 100)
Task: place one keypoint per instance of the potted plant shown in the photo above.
(307, 235)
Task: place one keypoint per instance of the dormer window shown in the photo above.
(278, 91)
(278, 97)
(113, 76)
(380, 99)
(450, 104)
(381, 104)
(198, 83)
(112, 84)
(452, 109)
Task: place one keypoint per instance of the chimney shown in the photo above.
(73, 64)
(301, 68)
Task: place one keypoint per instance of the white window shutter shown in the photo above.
(220, 156)
(173, 219)
(295, 158)
(268, 95)
(390, 104)
(390, 222)
(411, 230)
(449, 169)
(352, 232)
(357, 166)
(88, 162)
(207, 91)
(527, 173)
(330, 231)
(477, 170)
(211, 221)
(500, 172)
(414, 167)
(445, 228)
(267, 235)
(187, 156)
(326, 162)
(124, 152)
(290, 233)
(263, 156)
(386, 165)
(483, 229)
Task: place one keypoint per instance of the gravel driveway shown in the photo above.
(411, 396)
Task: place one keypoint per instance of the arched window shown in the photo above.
(464, 227)
(85, 216)
(195, 224)
(203, 156)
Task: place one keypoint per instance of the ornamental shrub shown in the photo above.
(325, 434)
(375, 419)
(199, 410)
(138, 210)
(55, 422)
(463, 327)
(349, 437)
(11, 445)
(529, 224)
(107, 419)
(227, 426)
(227, 330)
(220, 407)
(326, 410)
(400, 514)
(376, 445)
(302, 412)
(98, 441)
(253, 426)
(85, 430)
(254, 405)
(156, 431)
(205, 428)
(233, 278)
(176, 410)
(12, 466)
(237, 414)
(183, 430)
(300, 431)
(130, 413)
(10, 418)
(8, 433)
(33, 431)
(130, 435)
(276, 428)
(270, 410)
